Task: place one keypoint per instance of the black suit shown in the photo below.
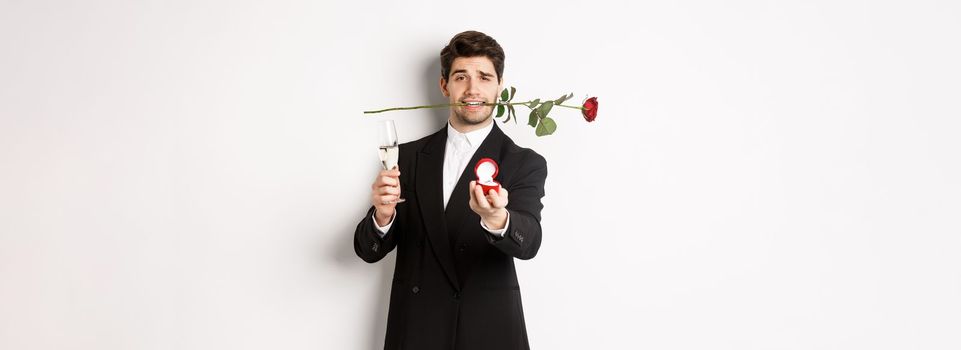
(454, 283)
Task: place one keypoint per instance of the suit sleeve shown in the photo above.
(368, 243)
(523, 236)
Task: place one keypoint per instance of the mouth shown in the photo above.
(473, 105)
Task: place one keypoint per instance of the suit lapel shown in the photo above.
(430, 186)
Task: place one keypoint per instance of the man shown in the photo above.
(454, 284)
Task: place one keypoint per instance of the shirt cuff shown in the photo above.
(501, 231)
(383, 229)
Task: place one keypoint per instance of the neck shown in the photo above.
(466, 128)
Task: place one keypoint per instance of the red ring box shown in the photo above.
(486, 170)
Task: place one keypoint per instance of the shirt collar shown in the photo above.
(474, 138)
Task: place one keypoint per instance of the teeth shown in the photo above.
(473, 103)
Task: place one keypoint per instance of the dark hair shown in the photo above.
(469, 44)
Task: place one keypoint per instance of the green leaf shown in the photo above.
(510, 112)
(561, 99)
(545, 108)
(513, 90)
(534, 103)
(532, 121)
(504, 95)
(500, 110)
(546, 127)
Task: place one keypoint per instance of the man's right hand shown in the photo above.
(383, 193)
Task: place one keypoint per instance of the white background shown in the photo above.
(761, 175)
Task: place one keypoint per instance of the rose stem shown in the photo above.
(458, 104)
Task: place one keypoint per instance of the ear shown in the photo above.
(443, 87)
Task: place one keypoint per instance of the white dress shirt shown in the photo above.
(459, 150)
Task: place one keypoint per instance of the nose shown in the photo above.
(472, 89)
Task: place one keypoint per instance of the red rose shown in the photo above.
(590, 109)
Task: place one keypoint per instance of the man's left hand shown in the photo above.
(492, 208)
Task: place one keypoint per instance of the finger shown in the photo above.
(387, 199)
(481, 199)
(492, 195)
(387, 180)
(378, 181)
(471, 187)
(494, 198)
(498, 201)
(502, 196)
(389, 190)
(392, 172)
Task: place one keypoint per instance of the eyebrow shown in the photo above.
(482, 73)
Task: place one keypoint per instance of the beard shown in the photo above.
(475, 117)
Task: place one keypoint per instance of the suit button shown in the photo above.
(415, 289)
(456, 295)
(463, 247)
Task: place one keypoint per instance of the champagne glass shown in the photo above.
(389, 147)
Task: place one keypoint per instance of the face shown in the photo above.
(471, 79)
